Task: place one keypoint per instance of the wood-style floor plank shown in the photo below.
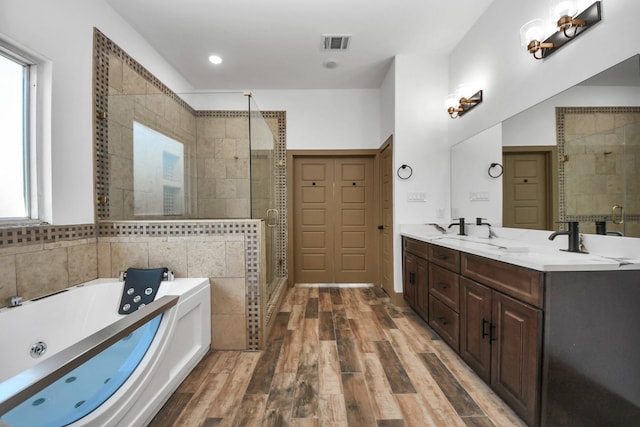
(311, 312)
(338, 358)
(464, 405)
(347, 353)
(305, 395)
(326, 332)
(396, 375)
(357, 403)
(260, 382)
(172, 410)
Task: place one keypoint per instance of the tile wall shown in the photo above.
(602, 164)
(37, 261)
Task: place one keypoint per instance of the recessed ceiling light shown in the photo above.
(330, 64)
(215, 59)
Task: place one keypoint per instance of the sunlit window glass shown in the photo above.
(13, 152)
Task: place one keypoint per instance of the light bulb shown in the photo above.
(215, 59)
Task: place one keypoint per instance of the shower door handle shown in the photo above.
(620, 218)
(273, 218)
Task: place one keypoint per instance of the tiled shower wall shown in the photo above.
(39, 260)
(599, 149)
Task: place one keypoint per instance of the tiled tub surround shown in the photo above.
(39, 260)
(227, 252)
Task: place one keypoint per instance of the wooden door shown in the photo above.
(335, 239)
(475, 323)
(386, 216)
(526, 195)
(515, 360)
(354, 214)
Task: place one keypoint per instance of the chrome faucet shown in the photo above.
(460, 224)
(573, 235)
(15, 301)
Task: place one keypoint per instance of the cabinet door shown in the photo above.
(475, 323)
(409, 269)
(422, 289)
(515, 355)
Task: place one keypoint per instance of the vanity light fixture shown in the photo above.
(567, 24)
(464, 104)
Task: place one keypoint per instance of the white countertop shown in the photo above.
(533, 249)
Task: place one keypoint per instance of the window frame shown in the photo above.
(29, 144)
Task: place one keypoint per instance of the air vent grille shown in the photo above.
(336, 42)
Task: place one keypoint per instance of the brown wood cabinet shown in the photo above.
(488, 311)
(415, 283)
(501, 341)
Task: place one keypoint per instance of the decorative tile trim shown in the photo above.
(249, 228)
(31, 235)
(561, 113)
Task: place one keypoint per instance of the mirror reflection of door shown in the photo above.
(526, 190)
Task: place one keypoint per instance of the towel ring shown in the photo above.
(493, 175)
(404, 175)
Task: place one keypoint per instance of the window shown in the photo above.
(158, 173)
(14, 136)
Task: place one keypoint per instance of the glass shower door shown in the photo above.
(263, 191)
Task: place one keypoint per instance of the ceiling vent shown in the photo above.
(336, 42)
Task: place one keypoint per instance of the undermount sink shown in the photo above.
(502, 249)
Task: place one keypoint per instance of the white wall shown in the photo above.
(491, 58)
(61, 33)
(388, 103)
(420, 141)
(470, 162)
(316, 119)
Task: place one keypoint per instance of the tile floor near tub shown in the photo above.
(338, 357)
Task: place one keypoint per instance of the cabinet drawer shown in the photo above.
(519, 282)
(416, 247)
(445, 285)
(445, 257)
(445, 322)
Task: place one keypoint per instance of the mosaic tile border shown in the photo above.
(249, 228)
(12, 237)
(561, 113)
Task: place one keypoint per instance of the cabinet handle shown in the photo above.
(485, 323)
(442, 320)
(442, 257)
(443, 285)
(492, 332)
(412, 278)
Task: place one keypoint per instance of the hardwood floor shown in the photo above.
(338, 357)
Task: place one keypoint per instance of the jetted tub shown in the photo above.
(165, 350)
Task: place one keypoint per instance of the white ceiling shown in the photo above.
(276, 44)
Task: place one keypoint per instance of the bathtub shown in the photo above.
(175, 342)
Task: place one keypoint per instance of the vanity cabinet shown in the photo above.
(444, 294)
(501, 341)
(415, 276)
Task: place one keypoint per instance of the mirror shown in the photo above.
(592, 131)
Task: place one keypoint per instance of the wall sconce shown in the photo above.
(566, 23)
(464, 104)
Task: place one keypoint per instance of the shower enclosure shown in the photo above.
(600, 169)
(267, 173)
